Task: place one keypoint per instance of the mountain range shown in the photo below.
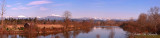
(55, 17)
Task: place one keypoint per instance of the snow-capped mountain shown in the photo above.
(58, 17)
(53, 17)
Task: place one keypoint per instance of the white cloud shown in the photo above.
(39, 2)
(43, 8)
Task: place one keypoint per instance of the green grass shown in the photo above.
(147, 36)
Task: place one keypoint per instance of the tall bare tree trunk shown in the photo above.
(3, 5)
(2, 19)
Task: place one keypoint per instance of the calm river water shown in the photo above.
(95, 32)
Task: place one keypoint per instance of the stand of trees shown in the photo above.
(146, 23)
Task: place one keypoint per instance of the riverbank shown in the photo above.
(40, 29)
(146, 36)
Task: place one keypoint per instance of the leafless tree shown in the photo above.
(3, 6)
(67, 16)
(154, 17)
(142, 19)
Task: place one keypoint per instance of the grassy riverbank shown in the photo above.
(147, 36)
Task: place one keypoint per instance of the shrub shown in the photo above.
(21, 28)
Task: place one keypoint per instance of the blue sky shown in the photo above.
(123, 9)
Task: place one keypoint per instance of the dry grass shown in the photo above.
(50, 26)
(39, 26)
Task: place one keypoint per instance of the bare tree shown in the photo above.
(3, 6)
(67, 16)
(35, 20)
(142, 19)
(154, 17)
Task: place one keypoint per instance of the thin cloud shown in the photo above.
(9, 6)
(24, 8)
(43, 8)
(64, 4)
(58, 5)
(38, 2)
(18, 3)
(14, 8)
(21, 8)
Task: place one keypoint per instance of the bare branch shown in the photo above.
(3, 9)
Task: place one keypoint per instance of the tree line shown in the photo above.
(146, 23)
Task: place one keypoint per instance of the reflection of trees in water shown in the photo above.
(14, 36)
(112, 33)
(75, 33)
(56, 37)
(66, 34)
(98, 36)
(86, 30)
(3, 36)
(107, 27)
(9, 36)
(31, 35)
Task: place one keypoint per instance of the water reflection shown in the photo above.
(111, 35)
(95, 32)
